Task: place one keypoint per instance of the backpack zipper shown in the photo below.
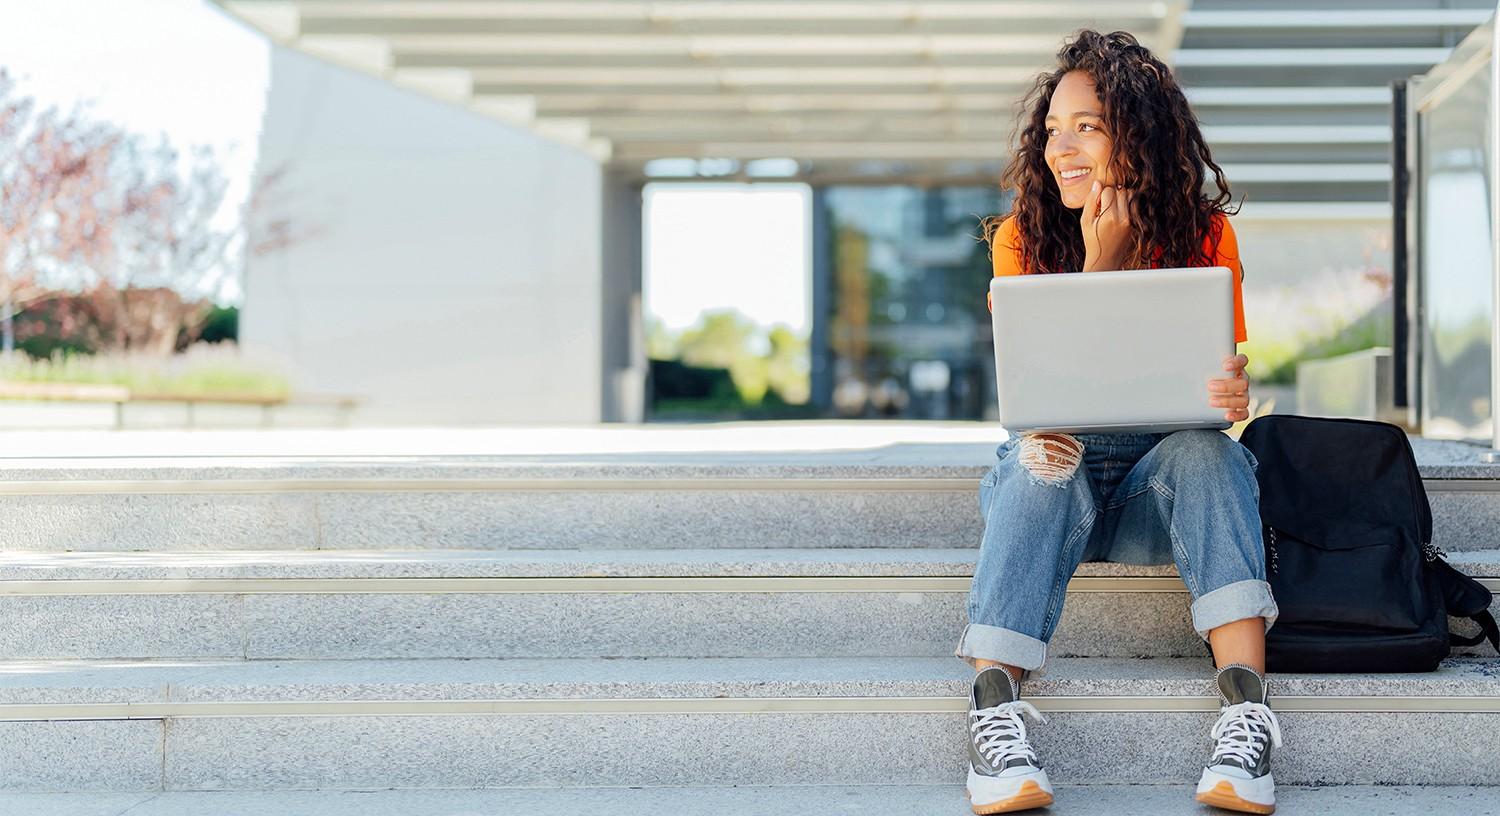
(1430, 551)
(1275, 564)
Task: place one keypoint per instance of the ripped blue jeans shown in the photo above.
(1188, 497)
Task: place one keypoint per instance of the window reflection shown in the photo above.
(907, 327)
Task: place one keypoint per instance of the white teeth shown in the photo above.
(1073, 174)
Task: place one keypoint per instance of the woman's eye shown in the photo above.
(1053, 131)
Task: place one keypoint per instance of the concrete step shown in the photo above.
(661, 603)
(347, 725)
(886, 800)
(895, 495)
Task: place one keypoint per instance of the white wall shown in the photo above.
(455, 277)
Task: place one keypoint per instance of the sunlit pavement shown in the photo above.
(528, 440)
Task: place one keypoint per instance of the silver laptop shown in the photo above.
(1113, 351)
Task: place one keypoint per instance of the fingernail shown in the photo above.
(1096, 187)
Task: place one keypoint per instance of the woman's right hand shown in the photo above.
(1106, 227)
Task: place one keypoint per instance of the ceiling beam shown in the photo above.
(703, 46)
(1306, 57)
(877, 79)
(856, 126)
(667, 11)
(1000, 99)
(1299, 19)
(1288, 97)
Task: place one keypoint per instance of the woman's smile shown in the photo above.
(1073, 175)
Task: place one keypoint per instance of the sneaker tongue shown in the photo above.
(994, 686)
(1239, 684)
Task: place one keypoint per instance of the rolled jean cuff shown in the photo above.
(981, 642)
(1231, 602)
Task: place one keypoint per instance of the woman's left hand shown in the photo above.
(1232, 392)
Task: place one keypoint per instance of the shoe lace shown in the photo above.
(1242, 730)
(1000, 731)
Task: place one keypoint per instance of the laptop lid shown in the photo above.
(1125, 351)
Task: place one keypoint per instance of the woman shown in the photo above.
(1109, 175)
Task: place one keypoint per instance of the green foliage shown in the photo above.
(203, 371)
(729, 407)
(222, 323)
(760, 364)
(1275, 362)
(671, 379)
(43, 346)
(661, 344)
(718, 340)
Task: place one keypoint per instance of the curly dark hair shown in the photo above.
(1157, 152)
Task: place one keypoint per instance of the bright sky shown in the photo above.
(179, 67)
(711, 246)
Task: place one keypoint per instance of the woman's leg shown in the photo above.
(1195, 491)
(1241, 642)
(1201, 486)
(1038, 507)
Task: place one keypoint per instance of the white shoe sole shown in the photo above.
(1233, 793)
(1005, 794)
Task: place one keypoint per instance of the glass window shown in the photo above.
(908, 332)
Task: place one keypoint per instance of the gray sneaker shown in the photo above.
(1004, 773)
(1238, 777)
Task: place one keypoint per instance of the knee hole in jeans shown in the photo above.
(1050, 458)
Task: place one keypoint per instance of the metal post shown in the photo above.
(1400, 190)
(1493, 454)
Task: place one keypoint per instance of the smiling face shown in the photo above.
(1077, 145)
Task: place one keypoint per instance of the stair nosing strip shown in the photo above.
(569, 585)
(933, 484)
(481, 485)
(726, 705)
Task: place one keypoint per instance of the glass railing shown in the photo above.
(1451, 215)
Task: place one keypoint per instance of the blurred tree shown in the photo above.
(168, 236)
(54, 176)
(223, 324)
(130, 226)
(661, 344)
(788, 368)
(723, 340)
(154, 319)
(720, 338)
(758, 363)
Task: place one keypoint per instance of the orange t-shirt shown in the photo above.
(1006, 251)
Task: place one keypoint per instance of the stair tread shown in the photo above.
(138, 681)
(888, 800)
(779, 450)
(784, 562)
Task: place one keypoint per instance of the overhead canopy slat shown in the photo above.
(896, 89)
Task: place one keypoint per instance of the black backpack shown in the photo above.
(1349, 556)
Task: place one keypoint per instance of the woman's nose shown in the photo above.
(1062, 145)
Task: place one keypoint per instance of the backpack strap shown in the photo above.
(1464, 597)
(1487, 631)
